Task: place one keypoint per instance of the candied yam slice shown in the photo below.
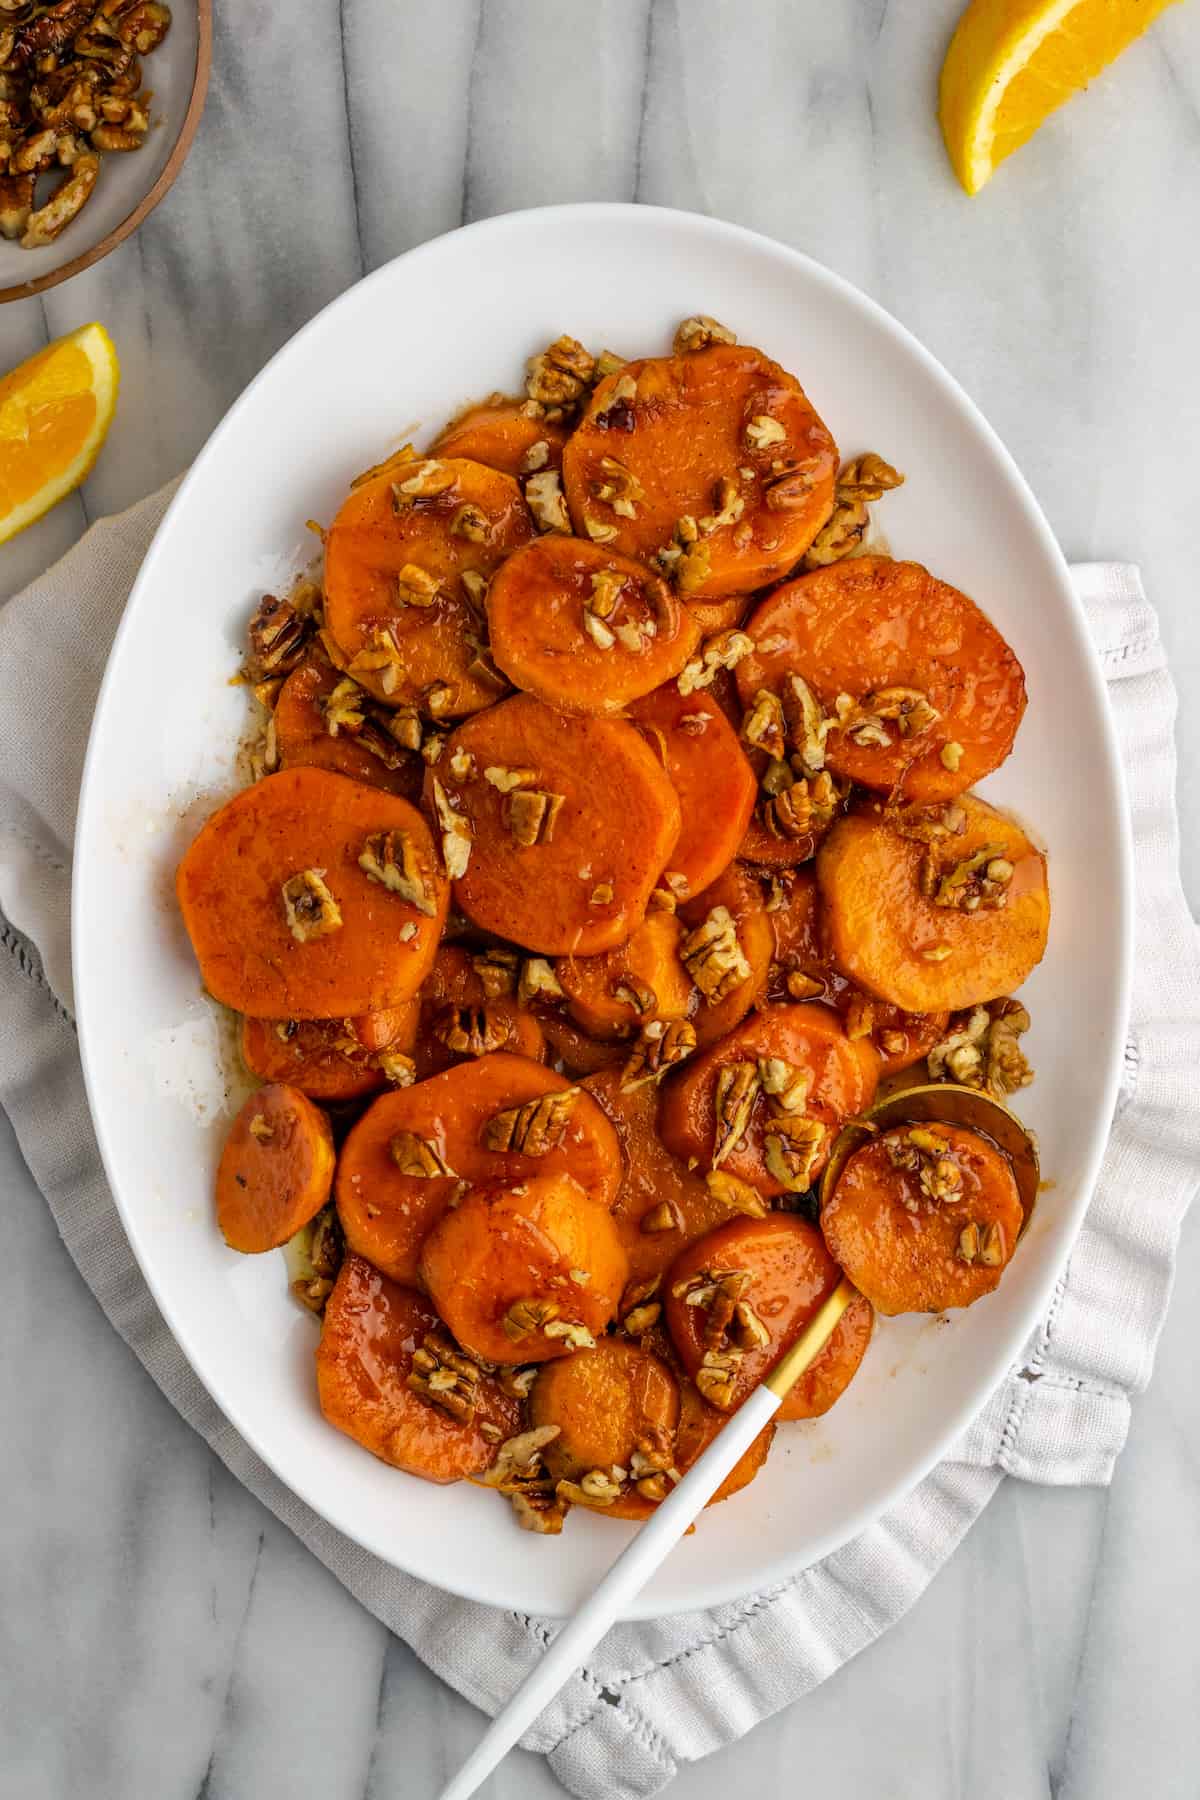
(803, 969)
(613, 994)
(571, 819)
(699, 1424)
(504, 434)
(662, 1204)
(735, 1300)
(401, 560)
(616, 1406)
(275, 1171)
(896, 939)
(584, 628)
(352, 737)
(765, 1101)
(709, 772)
(329, 1059)
(412, 1150)
(721, 438)
(728, 950)
(935, 694)
(462, 1018)
(834, 1366)
(338, 941)
(371, 1332)
(525, 1273)
(924, 1218)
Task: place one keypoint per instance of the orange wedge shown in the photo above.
(55, 411)
(1012, 62)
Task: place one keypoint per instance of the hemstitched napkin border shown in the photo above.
(662, 1693)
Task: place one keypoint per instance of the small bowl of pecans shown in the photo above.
(99, 103)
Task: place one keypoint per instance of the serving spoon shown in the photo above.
(940, 1103)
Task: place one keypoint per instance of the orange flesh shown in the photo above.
(893, 941)
(709, 772)
(551, 897)
(54, 421)
(370, 542)
(834, 1366)
(230, 885)
(543, 1240)
(900, 1247)
(371, 1328)
(606, 1402)
(386, 1215)
(326, 1059)
(537, 607)
(647, 966)
(843, 1075)
(500, 434)
(302, 736)
(870, 623)
(683, 432)
(699, 1424)
(276, 1169)
(791, 1275)
(739, 892)
(652, 1178)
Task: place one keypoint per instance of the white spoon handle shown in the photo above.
(605, 1605)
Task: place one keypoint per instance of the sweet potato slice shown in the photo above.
(699, 1424)
(461, 1017)
(616, 1406)
(924, 1218)
(583, 628)
(412, 1150)
(501, 434)
(361, 747)
(737, 1299)
(935, 694)
(578, 1053)
(396, 602)
(372, 1330)
(275, 1171)
(722, 439)
(328, 1059)
(571, 822)
(714, 781)
(764, 1103)
(898, 888)
(662, 1204)
(804, 970)
(612, 995)
(284, 918)
(834, 1366)
(729, 932)
(527, 1273)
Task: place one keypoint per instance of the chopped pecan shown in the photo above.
(445, 1378)
(785, 1086)
(496, 970)
(982, 1049)
(309, 907)
(792, 1149)
(415, 586)
(518, 1461)
(737, 1195)
(539, 1512)
(620, 489)
(865, 479)
(763, 725)
(713, 956)
(737, 1089)
(805, 807)
(390, 858)
(724, 651)
(544, 497)
(457, 835)
(277, 636)
(470, 1030)
(425, 481)
(699, 332)
(662, 1044)
(533, 1129)
(763, 432)
(559, 376)
(532, 813)
(538, 981)
(728, 504)
(978, 882)
(716, 1376)
(417, 1156)
(529, 1315)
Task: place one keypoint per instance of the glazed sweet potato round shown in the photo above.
(662, 1204)
(413, 1150)
(372, 1330)
(396, 604)
(275, 1171)
(699, 1424)
(501, 434)
(935, 695)
(934, 911)
(557, 861)
(722, 438)
(583, 628)
(735, 1300)
(765, 1102)
(360, 748)
(461, 1018)
(834, 1366)
(527, 1273)
(714, 781)
(924, 1218)
(608, 1403)
(613, 994)
(328, 1059)
(285, 918)
(728, 950)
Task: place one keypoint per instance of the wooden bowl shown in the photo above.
(130, 185)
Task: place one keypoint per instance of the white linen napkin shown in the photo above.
(654, 1695)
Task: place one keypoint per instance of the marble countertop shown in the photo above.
(161, 1636)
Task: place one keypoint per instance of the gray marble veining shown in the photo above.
(161, 1637)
